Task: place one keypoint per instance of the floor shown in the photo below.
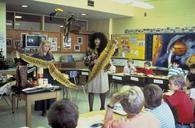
(16, 120)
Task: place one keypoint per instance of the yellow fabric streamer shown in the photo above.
(55, 73)
(103, 59)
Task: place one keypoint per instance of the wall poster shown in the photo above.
(53, 42)
(67, 43)
(183, 43)
(131, 46)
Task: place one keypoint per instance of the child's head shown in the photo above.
(153, 96)
(175, 63)
(147, 64)
(176, 82)
(129, 62)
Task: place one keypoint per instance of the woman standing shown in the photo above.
(98, 85)
(45, 54)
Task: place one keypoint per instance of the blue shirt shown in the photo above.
(164, 114)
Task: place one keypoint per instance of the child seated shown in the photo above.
(179, 102)
(173, 66)
(129, 68)
(147, 68)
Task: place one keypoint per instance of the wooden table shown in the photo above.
(126, 79)
(30, 98)
(160, 81)
(11, 71)
(138, 80)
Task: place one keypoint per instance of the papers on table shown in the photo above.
(86, 122)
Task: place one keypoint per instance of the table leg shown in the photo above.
(58, 95)
(13, 102)
(28, 112)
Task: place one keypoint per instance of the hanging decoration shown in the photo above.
(55, 73)
(103, 59)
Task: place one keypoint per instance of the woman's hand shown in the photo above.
(115, 98)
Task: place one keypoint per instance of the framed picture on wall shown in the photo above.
(77, 48)
(9, 42)
(67, 43)
(53, 42)
(79, 40)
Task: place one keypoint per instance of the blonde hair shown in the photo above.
(44, 42)
(133, 99)
(178, 80)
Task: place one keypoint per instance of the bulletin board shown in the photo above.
(131, 46)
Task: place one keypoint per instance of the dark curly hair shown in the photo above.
(103, 41)
(147, 63)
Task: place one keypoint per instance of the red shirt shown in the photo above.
(148, 71)
(182, 105)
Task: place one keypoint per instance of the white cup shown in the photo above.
(45, 81)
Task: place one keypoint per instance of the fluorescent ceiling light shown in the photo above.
(83, 14)
(24, 6)
(136, 3)
(18, 17)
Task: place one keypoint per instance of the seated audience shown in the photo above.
(179, 102)
(153, 102)
(63, 114)
(173, 66)
(132, 101)
(147, 68)
(129, 68)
